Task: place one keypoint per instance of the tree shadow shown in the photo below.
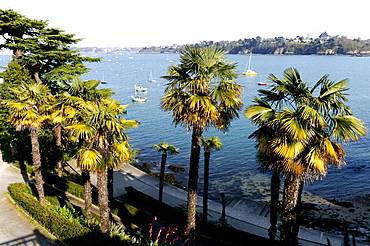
(36, 238)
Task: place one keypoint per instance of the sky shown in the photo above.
(145, 23)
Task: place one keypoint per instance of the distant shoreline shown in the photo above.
(356, 55)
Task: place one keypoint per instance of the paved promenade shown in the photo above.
(15, 227)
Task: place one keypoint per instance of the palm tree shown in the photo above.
(166, 149)
(87, 92)
(28, 111)
(307, 127)
(264, 135)
(201, 92)
(106, 146)
(64, 108)
(212, 143)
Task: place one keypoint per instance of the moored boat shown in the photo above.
(249, 71)
(137, 98)
(140, 88)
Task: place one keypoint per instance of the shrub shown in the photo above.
(57, 225)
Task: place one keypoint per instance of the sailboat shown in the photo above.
(103, 81)
(137, 98)
(151, 78)
(140, 88)
(249, 71)
(261, 83)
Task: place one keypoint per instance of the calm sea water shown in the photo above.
(234, 169)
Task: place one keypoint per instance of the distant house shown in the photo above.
(324, 37)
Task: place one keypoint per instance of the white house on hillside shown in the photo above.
(324, 37)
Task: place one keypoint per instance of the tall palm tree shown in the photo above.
(212, 143)
(87, 91)
(165, 148)
(201, 92)
(106, 146)
(28, 111)
(264, 135)
(307, 127)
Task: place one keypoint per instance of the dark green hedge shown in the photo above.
(51, 221)
(130, 215)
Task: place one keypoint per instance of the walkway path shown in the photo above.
(15, 227)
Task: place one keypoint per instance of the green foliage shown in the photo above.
(45, 52)
(67, 185)
(166, 148)
(56, 224)
(70, 213)
(25, 167)
(333, 46)
(123, 210)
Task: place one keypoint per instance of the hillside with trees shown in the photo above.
(323, 45)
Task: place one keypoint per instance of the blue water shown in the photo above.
(234, 169)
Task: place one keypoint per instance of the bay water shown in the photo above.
(234, 169)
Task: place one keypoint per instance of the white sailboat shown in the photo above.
(137, 98)
(151, 78)
(249, 71)
(140, 88)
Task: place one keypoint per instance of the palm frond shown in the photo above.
(89, 159)
(348, 128)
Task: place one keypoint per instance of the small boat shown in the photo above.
(142, 89)
(261, 83)
(151, 78)
(137, 98)
(103, 81)
(249, 71)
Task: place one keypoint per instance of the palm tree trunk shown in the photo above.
(207, 157)
(36, 158)
(58, 144)
(103, 201)
(161, 176)
(288, 233)
(87, 193)
(193, 185)
(223, 203)
(275, 188)
(299, 208)
(110, 182)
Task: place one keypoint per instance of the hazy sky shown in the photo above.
(135, 23)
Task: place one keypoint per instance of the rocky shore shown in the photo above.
(338, 217)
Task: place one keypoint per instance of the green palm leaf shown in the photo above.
(348, 128)
(90, 159)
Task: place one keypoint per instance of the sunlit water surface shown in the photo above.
(234, 169)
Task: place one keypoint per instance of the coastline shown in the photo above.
(331, 216)
(337, 217)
